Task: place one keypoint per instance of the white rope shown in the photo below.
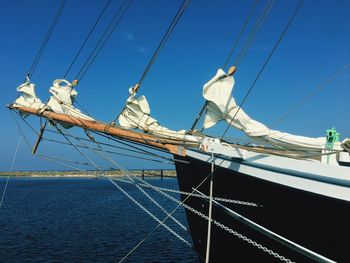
(207, 254)
(8, 176)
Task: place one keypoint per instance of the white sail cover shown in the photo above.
(61, 101)
(137, 114)
(222, 106)
(28, 97)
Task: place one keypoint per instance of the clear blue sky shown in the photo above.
(315, 47)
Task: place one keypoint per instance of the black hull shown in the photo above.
(319, 223)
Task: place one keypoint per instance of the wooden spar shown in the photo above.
(172, 146)
(40, 136)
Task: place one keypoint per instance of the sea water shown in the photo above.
(86, 220)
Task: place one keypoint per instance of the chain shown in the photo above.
(252, 242)
(107, 157)
(201, 196)
(149, 213)
(160, 207)
(222, 226)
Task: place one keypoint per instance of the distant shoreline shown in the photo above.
(90, 174)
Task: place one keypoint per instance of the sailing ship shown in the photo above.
(294, 191)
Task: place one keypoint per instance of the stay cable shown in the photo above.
(8, 176)
(46, 40)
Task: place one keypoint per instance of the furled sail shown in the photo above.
(62, 98)
(137, 114)
(222, 106)
(28, 97)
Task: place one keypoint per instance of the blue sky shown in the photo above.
(314, 48)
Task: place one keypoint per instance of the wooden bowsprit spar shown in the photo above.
(170, 145)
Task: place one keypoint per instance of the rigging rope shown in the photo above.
(264, 65)
(46, 40)
(167, 34)
(168, 160)
(246, 45)
(162, 159)
(108, 158)
(87, 38)
(218, 224)
(42, 156)
(121, 11)
(246, 22)
(254, 31)
(161, 223)
(8, 176)
(309, 96)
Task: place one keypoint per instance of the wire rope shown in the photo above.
(254, 31)
(264, 65)
(312, 93)
(46, 40)
(246, 22)
(87, 38)
(247, 43)
(121, 11)
(8, 176)
(166, 36)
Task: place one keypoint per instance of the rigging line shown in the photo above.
(87, 38)
(59, 163)
(110, 145)
(309, 96)
(130, 177)
(29, 146)
(112, 152)
(65, 160)
(117, 17)
(258, 25)
(108, 158)
(21, 131)
(182, 203)
(127, 173)
(8, 176)
(155, 188)
(134, 147)
(113, 138)
(160, 135)
(246, 22)
(87, 158)
(167, 34)
(141, 151)
(198, 118)
(81, 106)
(160, 223)
(253, 32)
(264, 65)
(25, 121)
(46, 39)
(111, 160)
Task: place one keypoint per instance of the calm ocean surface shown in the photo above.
(85, 220)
